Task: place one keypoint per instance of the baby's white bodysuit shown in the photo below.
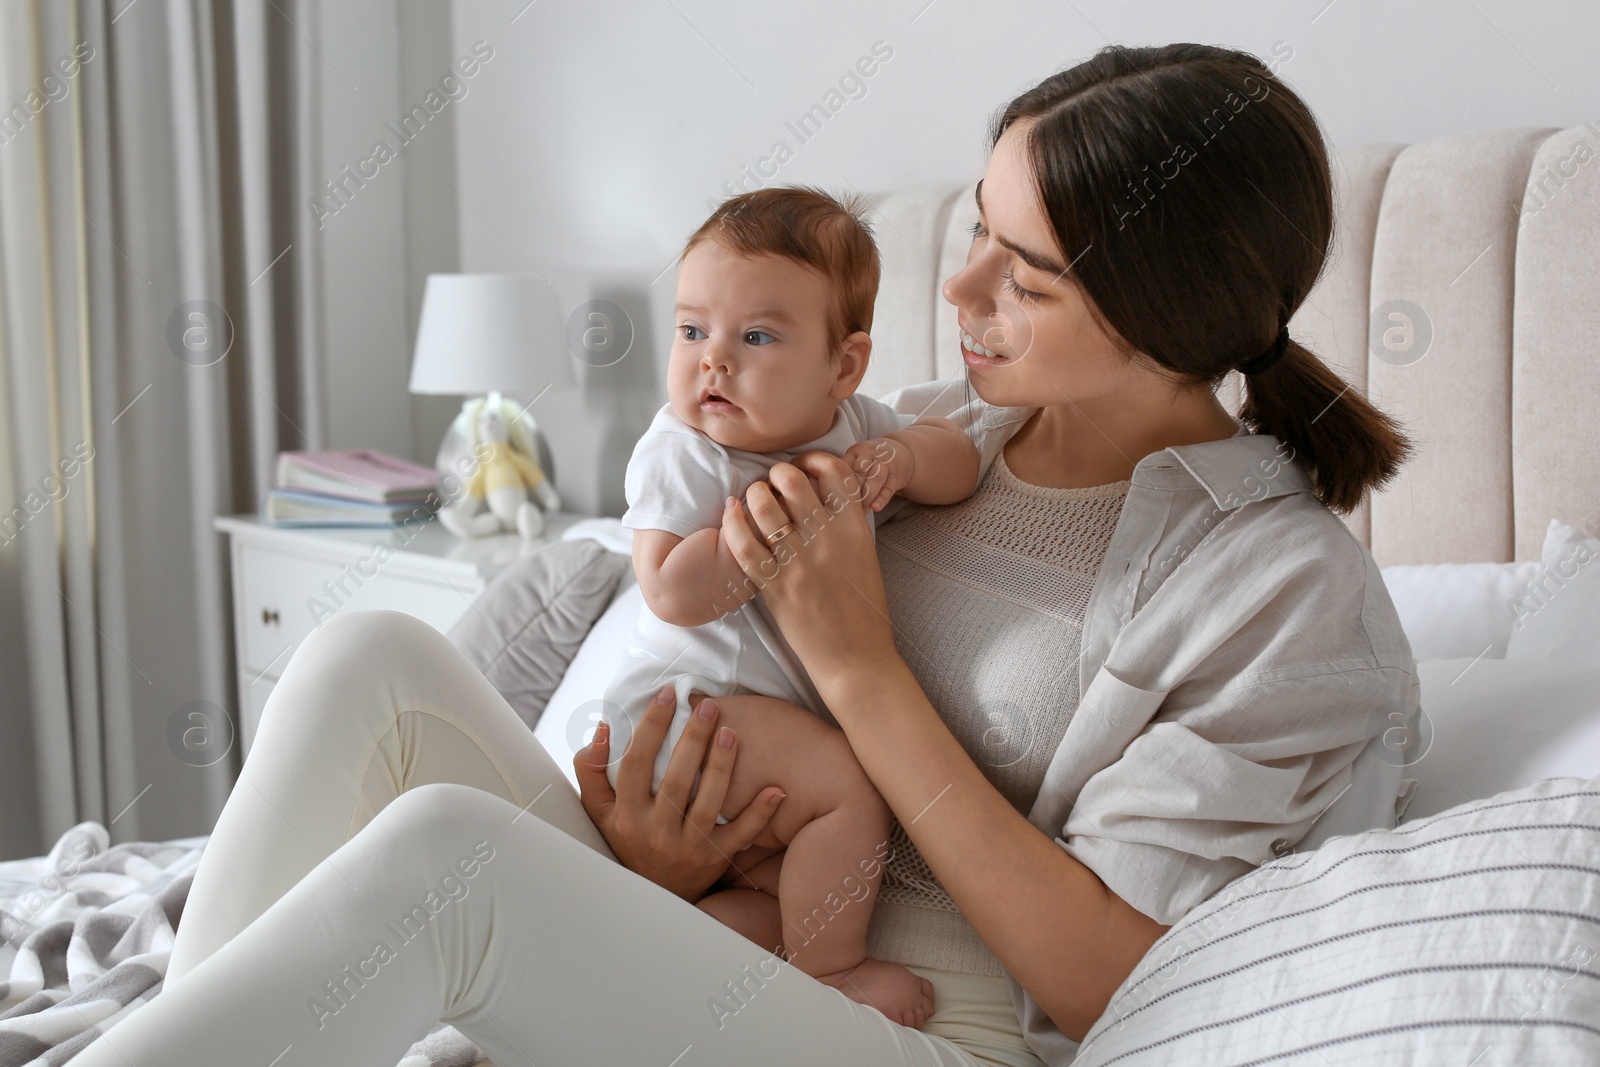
(678, 480)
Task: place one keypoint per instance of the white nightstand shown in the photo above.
(287, 579)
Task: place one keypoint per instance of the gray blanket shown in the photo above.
(85, 934)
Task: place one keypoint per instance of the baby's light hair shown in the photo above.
(811, 227)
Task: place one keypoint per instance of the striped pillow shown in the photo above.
(1473, 930)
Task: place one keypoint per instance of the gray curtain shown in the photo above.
(157, 333)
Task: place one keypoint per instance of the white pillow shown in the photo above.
(1497, 724)
(1470, 931)
(1457, 609)
(1557, 613)
(573, 710)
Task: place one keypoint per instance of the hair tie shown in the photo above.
(1270, 356)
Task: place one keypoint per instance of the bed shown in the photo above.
(1460, 297)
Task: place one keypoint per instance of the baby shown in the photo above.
(774, 303)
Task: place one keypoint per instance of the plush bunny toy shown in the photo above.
(503, 477)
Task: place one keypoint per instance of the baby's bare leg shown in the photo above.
(836, 827)
(833, 822)
(750, 904)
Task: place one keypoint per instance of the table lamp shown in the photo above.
(499, 340)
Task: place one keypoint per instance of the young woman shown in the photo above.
(1142, 658)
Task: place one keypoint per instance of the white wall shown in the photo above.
(380, 238)
(601, 130)
(360, 235)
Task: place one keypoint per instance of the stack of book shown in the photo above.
(346, 487)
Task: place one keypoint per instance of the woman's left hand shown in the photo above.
(820, 576)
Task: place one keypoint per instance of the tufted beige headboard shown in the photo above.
(1490, 242)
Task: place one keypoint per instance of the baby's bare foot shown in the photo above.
(902, 995)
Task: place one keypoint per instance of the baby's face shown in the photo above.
(750, 364)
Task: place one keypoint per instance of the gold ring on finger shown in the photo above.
(773, 537)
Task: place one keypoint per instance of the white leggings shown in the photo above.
(399, 849)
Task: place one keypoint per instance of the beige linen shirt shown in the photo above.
(1246, 672)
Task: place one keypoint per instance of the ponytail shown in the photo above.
(1344, 443)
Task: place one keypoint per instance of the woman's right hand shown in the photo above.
(675, 844)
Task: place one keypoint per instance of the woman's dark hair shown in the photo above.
(1195, 187)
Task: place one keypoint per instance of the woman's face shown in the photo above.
(1017, 300)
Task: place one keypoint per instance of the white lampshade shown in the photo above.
(482, 333)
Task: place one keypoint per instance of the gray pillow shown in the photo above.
(528, 623)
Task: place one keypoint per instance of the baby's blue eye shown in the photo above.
(758, 333)
(692, 330)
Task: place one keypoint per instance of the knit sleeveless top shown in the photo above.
(987, 598)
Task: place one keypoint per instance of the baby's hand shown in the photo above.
(884, 467)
